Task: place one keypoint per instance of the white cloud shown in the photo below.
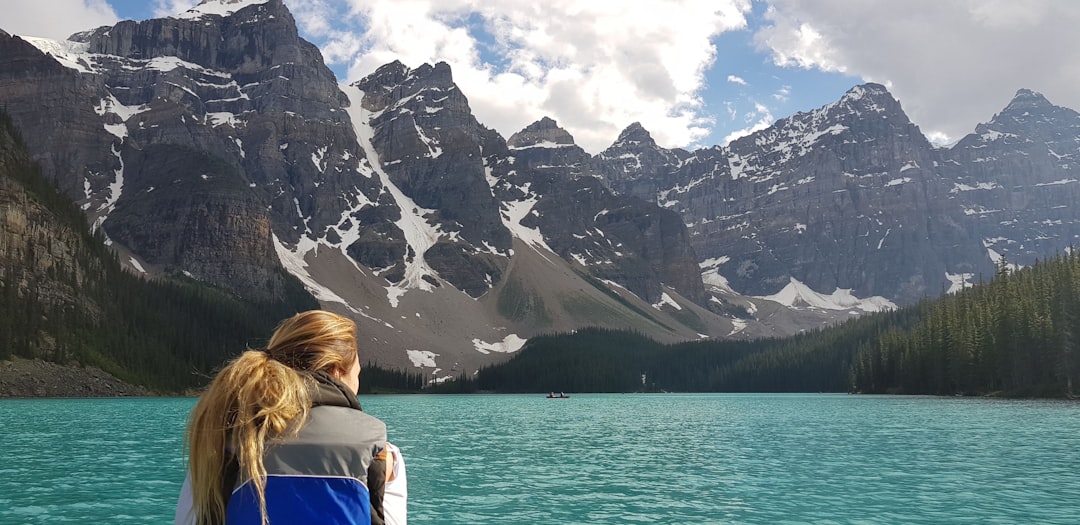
(951, 63)
(57, 19)
(782, 94)
(736, 80)
(165, 8)
(939, 138)
(764, 119)
(730, 107)
(595, 67)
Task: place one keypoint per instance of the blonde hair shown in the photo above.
(260, 395)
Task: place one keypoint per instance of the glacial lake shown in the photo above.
(603, 459)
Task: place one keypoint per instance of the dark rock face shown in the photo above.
(38, 92)
(39, 255)
(192, 213)
(635, 165)
(243, 93)
(429, 145)
(1017, 179)
(846, 196)
(619, 238)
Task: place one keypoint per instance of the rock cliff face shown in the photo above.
(1017, 179)
(846, 196)
(615, 237)
(40, 255)
(241, 93)
(429, 145)
(39, 92)
(636, 165)
(217, 145)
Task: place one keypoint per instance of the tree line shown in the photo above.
(1014, 336)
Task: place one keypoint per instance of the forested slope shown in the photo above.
(1015, 336)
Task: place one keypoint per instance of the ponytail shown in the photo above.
(253, 398)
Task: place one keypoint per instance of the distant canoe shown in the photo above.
(560, 396)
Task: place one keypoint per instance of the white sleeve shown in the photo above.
(396, 494)
(185, 505)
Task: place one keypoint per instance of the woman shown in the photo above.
(278, 437)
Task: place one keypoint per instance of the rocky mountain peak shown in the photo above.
(1030, 116)
(543, 131)
(385, 77)
(634, 134)
(870, 97)
(438, 75)
(1026, 99)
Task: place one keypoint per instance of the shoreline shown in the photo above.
(37, 378)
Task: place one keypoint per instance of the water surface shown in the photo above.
(603, 459)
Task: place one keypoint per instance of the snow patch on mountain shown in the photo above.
(959, 281)
(420, 234)
(957, 187)
(710, 273)
(737, 325)
(72, 55)
(293, 261)
(422, 358)
(666, 299)
(510, 344)
(218, 7)
(996, 256)
(797, 295)
(513, 212)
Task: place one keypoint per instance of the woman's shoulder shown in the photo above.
(352, 420)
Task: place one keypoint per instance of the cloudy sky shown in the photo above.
(693, 72)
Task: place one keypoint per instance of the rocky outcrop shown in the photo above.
(615, 237)
(846, 196)
(40, 255)
(39, 93)
(37, 378)
(187, 212)
(1017, 179)
(636, 165)
(429, 144)
(544, 133)
(242, 94)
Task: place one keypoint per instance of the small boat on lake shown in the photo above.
(551, 395)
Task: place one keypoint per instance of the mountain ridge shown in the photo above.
(395, 206)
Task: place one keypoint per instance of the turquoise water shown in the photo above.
(603, 459)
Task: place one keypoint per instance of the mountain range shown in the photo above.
(216, 145)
